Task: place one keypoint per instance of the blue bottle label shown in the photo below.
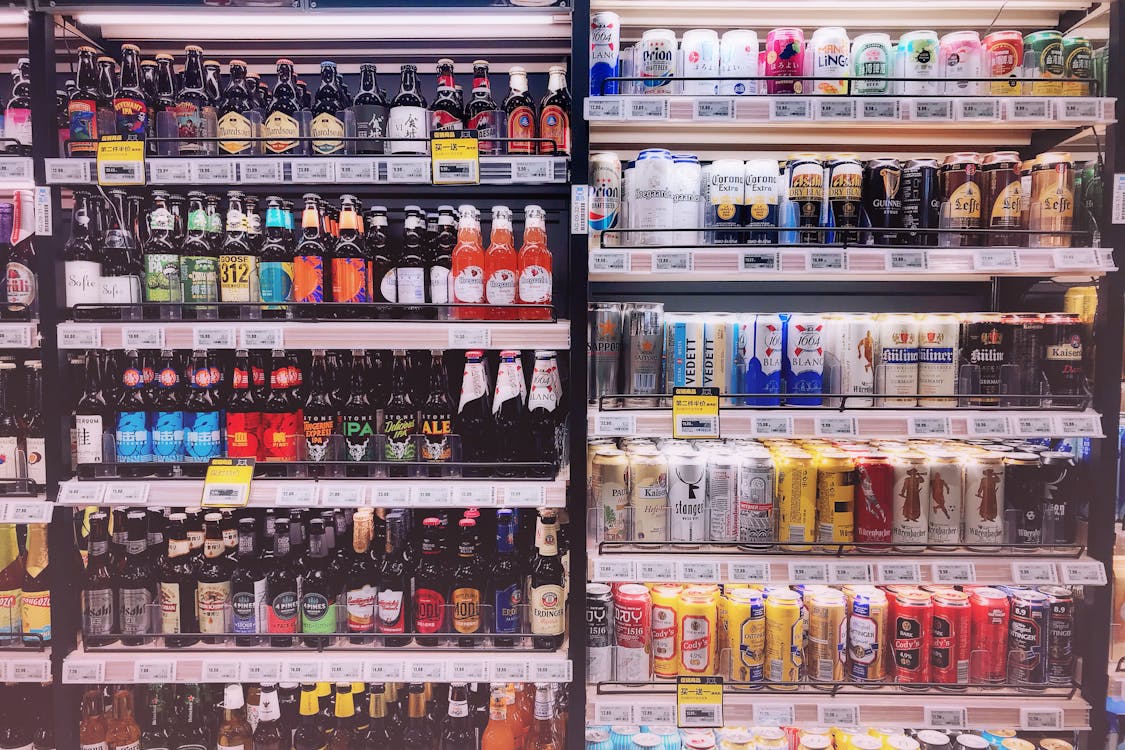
(134, 442)
(168, 436)
(276, 281)
(202, 440)
(506, 610)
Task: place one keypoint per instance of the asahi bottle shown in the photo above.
(370, 111)
(408, 117)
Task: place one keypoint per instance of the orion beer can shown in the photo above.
(644, 350)
(687, 491)
(599, 633)
(605, 194)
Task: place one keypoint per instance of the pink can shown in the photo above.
(785, 57)
(960, 56)
(1003, 58)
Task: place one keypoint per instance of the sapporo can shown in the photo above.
(1052, 200)
(1043, 60)
(785, 636)
(665, 623)
(950, 650)
(944, 501)
(1060, 635)
(696, 640)
(648, 495)
(874, 502)
(632, 629)
(754, 497)
(796, 499)
(687, 490)
(599, 633)
(722, 521)
(990, 611)
(867, 636)
(911, 624)
(910, 526)
(1027, 639)
(1003, 58)
(746, 635)
(1078, 62)
(984, 501)
(605, 348)
(835, 500)
(828, 636)
(610, 480)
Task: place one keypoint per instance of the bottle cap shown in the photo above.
(232, 697)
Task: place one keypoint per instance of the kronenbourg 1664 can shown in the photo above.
(605, 52)
(763, 365)
(802, 364)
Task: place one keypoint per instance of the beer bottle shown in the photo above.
(408, 117)
(431, 585)
(234, 730)
(545, 584)
(17, 116)
(482, 114)
(238, 265)
(509, 413)
(248, 587)
(506, 583)
(500, 264)
(382, 260)
(199, 262)
(35, 603)
(98, 601)
(342, 734)
(319, 414)
(393, 602)
(136, 583)
(32, 437)
(281, 589)
(309, 734)
(281, 125)
(134, 440)
(81, 261)
(107, 89)
(82, 107)
(520, 111)
(156, 733)
(165, 85)
(281, 423)
(400, 419)
(243, 412)
(380, 732)
(201, 413)
(498, 734)
(276, 267)
(21, 283)
(229, 529)
(11, 579)
(361, 580)
(211, 86)
(468, 584)
(190, 104)
(161, 257)
(327, 128)
(195, 533)
(543, 409)
(121, 274)
(349, 261)
(410, 271)
(357, 423)
(251, 83)
(542, 735)
(468, 264)
(437, 415)
(177, 587)
(129, 104)
(459, 732)
(318, 595)
(446, 112)
(370, 112)
(119, 535)
(167, 413)
(474, 413)
(270, 734)
(122, 732)
(554, 114)
(190, 732)
(439, 260)
(308, 265)
(303, 99)
(213, 572)
(235, 113)
(148, 87)
(418, 732)
(535, 277)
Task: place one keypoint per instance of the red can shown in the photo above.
(950, 649)
(911, 630)
(874, 502)
(988, 644)
(1003, 58)
(632, 627)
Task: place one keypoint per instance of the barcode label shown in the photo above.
(356, 170)
(465, 337)
(302, 671)
(408, 171)
(263, 338)
(430, 671)
(430, 496)
(1084, 574)
(473, 495)
(211, 337)
(606, 261)
(1086, 110)
(261, 671)
(978, 109)
(827, 260)
(128, 493)
(772, 427)
(759, 262)
(510, 671)
(343, 496)
(656, 571)
(320, 171)
(836, 109)
(1031, 426)
(1020, 108)
(928, 427)
(900, 573)
(1076, 258)
(995, 260)
(213, 171)
(468, 671)
(76, 492)
(1041, 718)
(699, 572)
(344, 671)
(16, 335)
(384, 671)
(613, 570)
(30, 670)
(1080, 425)
(613, 713)
(604, 108)
(262, 172)
(154, 671)
(774, 714)
(837, 715)
(849, 573)
(879, 109)
(805, 572)
(169, 171)
(907, 260)
(83, 672)
(660, 714)
(68, 171)
(80, 337)
(529, 170)
(530, 496)
(712, 108)
(391, 497)
(615, 425)
(945, 718)
(299, 495)
(646, 108)
(835, 426)
(221, 671)
(39, 511)
(954, 572)
(989, 426)
(932, 109)
(552, 671)
(146, 337)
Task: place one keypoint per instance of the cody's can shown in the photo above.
(911, 633)
(754, 498)
(802, 364)
(918, 51)
(785, 636)
(648, 495)
(921, 201)
(1078, 62)
(806, 192)
(951, 640)
(1003, 58)
(871, 60)
(867, 636)
(746, 635)
(1043, 60)
(605, 52)
(610, 482)
(911, 521)
(796, 499)
(944, 493)
(722, 503)
(830, 48)
(874, 503)
(785, 58)
(828, 636)
(1060, 635)
(605, 193)
(632, 627)
(962, 199)
(599, 633)
(687, 490)
(1027, 639)
(835, 499)
(657, 61)
(665, 624)
(845, 197)
(763, 191)
(989, 608)
(643, 350)
(1052, 200)
(984, 500)
(898, 359)
(937, 359)
(1001, 176)
(605, 320)
(696, 639)
(764, 337)
(882, 198)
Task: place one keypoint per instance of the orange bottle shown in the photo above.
(519, 718)
(500, 262)
(498, 734)
(535, 265)
(468, 265)
(542, 735)
(123, 733)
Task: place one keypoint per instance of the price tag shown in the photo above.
(128, 493)
(945, 718)
(928, 427)
(698, 572)
(849, 572)
(774, 714)
(391, 496)
(73, 336)
(552, 670)
(606, 570)
(658, 714)
(1081, 425)
(384, 671)
(16, 336)
(1084, 574)
(604, 108)
(879, 109)
(261, 671)
(1034, 573)
(1034, 426)
(978, 109)
(348, 670)
(169, 171)
(788, 108)
(610, 260)
(613, 713)
(835, 427)
(473, 495)
(907, 260)
(932, 109)
(470, 337)
(162, 670)
(15, 169)
(748, 572)
(80, 671)
(527, 496)
(146, 337)
(361, 171)
(406, 170)
(759, 261)
(954, 572)
(302, 671)
(657, 571)
(996, 259)
(437, 495)
(227, 483)
(468, 671)
(672, 261)
(76, 492)
(835, 109)
(615, 425)
(808, 572)
(579, 209)
(1076, 257)
(510, 671)
(343, 495)
(827, 260)
(296, 495)
(695, 413)
(209, 171)
(771, 426)
(310, 171)
(120, 162)
(900, 573)
(1020, 108)
(262, 172)
(221, 671)
(712, 108)
(699, 702)
(263, 338)
(429, 671)
(214, 337)
(646, 108)
(530, 171)
(1086, 109)
(837, 714)
(1041, 718)
(31, 670)
(988, 425)
(456, 158)
(44, 221)
(68, 171)
(39, 511)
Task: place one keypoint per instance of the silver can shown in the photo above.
(722, 512)
(898, 359)
(945, 500)
(687, 492)
(605, 195)
(644, 350)
(984, 501)
(910, 520)
(754, 495)
(599, 633)
(849, 357)
(604, 348)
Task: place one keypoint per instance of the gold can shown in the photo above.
(1052, 199)
(796, 499)
(665, 623)
(737, 739)
(785, 637)
(1054, 743)
(1081, 301)
(867, 741)
(695, 631)
(1015, 743)
(868, 640)
(771, 738)
(835, 500)
(746, 635)
(828, 636)
(609, 479)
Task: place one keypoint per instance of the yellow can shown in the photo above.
(842, 737)
(746, 635)
(796, 499)
(771, 738)
(883, 733)
(867, 741)
(828, 636)
(695, 631)
(1083, 301)
(835, 499)
(814, 742)
(785, 635)
(737, 739)
(665, 623)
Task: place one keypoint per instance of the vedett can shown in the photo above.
(632, 628)
(938, 336)
(687, 489)
(644, 350)
(989, 608)
(921, 201)
(951, 642)
(605, 52)
(874, 502)
(911, 623)
(1060, 635)
(605, 194)
(599, 633)
(1027, 639)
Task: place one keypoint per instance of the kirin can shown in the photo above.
(796, 499)
(990, 611)
(785, 58)
(764, 342)
(1051, 208)
(648, 495)
(830, 48)
(643, 350)
(917, 57)
(882, 198)
(961, 57)
(605, 52)
(849, 358)
(687, 491)
(696, 639)
(802, 364)
(785, 636)
(665, 624)
(599, 633)
(1060, 635)
(1003, 58)
(871, 60)
(657, 61)
(754, 497)
(1027, 639)
(632, 630)
(835, 499)
(874, 503)
(610, 482)
(984, 501)
(1078, 62)
(738, 56)
(937, 359)
(921, 201)
(806, 191)
(1043, 60)
(1002, 189)
(867, 636)
(962, 199)
(944, 498)
(605, 348)
(828, 636)
(699, 58)
(722, 503)
(911, 519)
(605, 195)
(898, 359)
(845, 198)
(952, 638)
(911, 623)
(746, 635)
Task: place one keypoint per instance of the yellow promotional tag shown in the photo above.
(227, 484)
(120, 162)
(699, 702)
(454, 158)
(695, 413)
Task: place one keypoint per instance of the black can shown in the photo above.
(1063, 489)
(1027, 639)
(986, 346)
(599, 633)
(1060, 635)
(921, 201)
(882, 198)
(1024, 493)
(1063, 340)
(1027, 355)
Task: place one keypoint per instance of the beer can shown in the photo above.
(683, 351)
(846, 183)
(932, 739)
(605, 193)
(1003, 58)
(650, 196)
(1078, 62)
(1001, 176)
(849, 358)
(764, 345)
(960, 177)
(986, 346)
(831, 51)
(599, 633)
(802, 363)
(984, 501)
(687, 200)
(871, 60)
(990, 610)
(610, 482)
(1060, 635)
(898, 359)
(722, 504)
(805, 189)
(828, 636)
(657, 61)
(762, 195)
(874, 504)
(727, 202)
(625, 219)
(911, 634)
(1064, 486)
(605, 52)
(1027, 639)
(919, 55)
(746, 635)
(882, 198)
(648, 495)
(665, 625)
(718, 345)
(796, 499)
(944, 498)
(960, 57)
(643, 347)
(1043, 60)
(785, 635)
(835, 499)
(949, 655)
(921, 201)
(738, 56)
(1064, 356)
(632, 628)
(911, 520)
(695, 634)
(754, 497)
(687, 489)
(1052, 199)
(937, 359)
(867, 636)
(785, 58)
(605, 321)
(1024, 492)
(699, 58)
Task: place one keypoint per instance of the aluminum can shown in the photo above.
(986, 346)
(763, 348)
(718, 347)
(871, 59)
(1078, 62)
(754, 496)
(828, 636)
(835, 499)
(1052, 199)
(657, 61)
(874, 504)
(727, 201)
(605, 195)
(845, 197)
(1027, 639)
(1060, 635)
(931, 739)
(962, 198)
(1002, 187)
(648, 495)
(1025, 490)
(599, 633)
(960, 55)
(605, 323)
(696, 639)
(911, 519)
(722, 503)
(632, 627)
(867, 636)
(805, 180)
(785, 58)
(802, 364)
(610, 482)
(665, 625)
(984, 501)
(683, 351)
(625, 219)
(944, 498)
(1023, 372)
(849, 357)
(1043, 59)
(796, 499)
(605, 49)
(763, 191)
(831, 50)
(990, 610)
(687, 200)
(650, 201)
(687, 490)
(643, 346)
(699, 58)
(937, 359)
(919, 51)
(746, 634)
(911, 634)
(785, 635)
(1064, 491)
(898, 359)
(949, 654)
(921, 201)
(1003, 58)
(882, 199)
(738, 56)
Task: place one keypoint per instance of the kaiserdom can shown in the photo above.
(746, 635)
(648, 494)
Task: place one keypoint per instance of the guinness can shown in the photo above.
(961, 199)
(921, 201)
(882, 198)
(845, 197)
(1002, 189)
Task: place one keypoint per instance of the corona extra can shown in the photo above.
(695, 631)
(746, 635)
(835, 499)
(665, 625)
(785, 635)
(828, 636)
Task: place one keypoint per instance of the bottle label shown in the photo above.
(22, 286)
(388, 286)
(279, 436)
(282, 616)
(168, 436)
(436, 429)
(327, 130)
(88, 438)
(244, 611)
(277, 281)
(508, 381)
(506, 612)
(170, 605)
(232, 128)
(214, 224)
(201, 435)
(488, 126)
(349, 280)
(308, 278)
(10, 612)
(212, 600)
(439, 285)
(547, 610)
(283, 132)
(458, 709)
(133, 443)
(501, 289)
(36, 613)
(120, 290)
(243, 434)
(407, 122)
(83, 282)
(317, 614)
(83, 117)
(474, 384)
(359, 434)
(411, 285)
(554, 123)
(441, 119)
(535, 285)
(36, 468)
(964, 203)
(391, 615)
(134, 605)
(131, 116)
(17, 124)
(361, 609)
(317, 431)
(97, 615)
(238, 278)
(1006, 207)
(466, 610)
(200, 276)
(94, 746)
(468, 285)
(189, 124)
(399, 431)
(162, 277)
(370, 122)
(521, 124)
(429, 611)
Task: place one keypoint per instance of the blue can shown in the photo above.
(597, 738)
(764, 344)
(802, 363)
(1027, 639)
(605, 52)
(621, 736)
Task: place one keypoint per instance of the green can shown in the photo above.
(162, 278)
(200, 276)
(1078, 62)
(1043, 59)
(1101, 67)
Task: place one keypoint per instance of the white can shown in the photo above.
(831, 50)
(656, 61)
(984, 501)
(727, 197)
(722, 508)
(605, 193)
(738, 56)
(763, 189)
(960, 56)
(687, 493)
(910, 519)
(849, 357)
(945, 500)
(871, 58)
(718, 345)
(898, 358)
(651, 188)
(648, 494)
(605, 49)
(937, 359)
(687, 199)
(754, 494)
(699, 53)
(625, 221)
(919, 51)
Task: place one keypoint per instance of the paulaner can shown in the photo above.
(665, 625)
(632, 621)
(921, 201)
(722, 503)
(951, 644)
(944, 495)
(695, 635)
(796, 499)
(882, 198)
(845, 197)
(599, 633)
(1060, 635)
(648, 495)
(828, 636)
(937, 359)
(610, 482)
(687, 490)
(874, 502)
(984, 501)
(605, 348)
(746, 635)
(802, 364)
(643, 346)
(1002, 189)
(898, 359)
(605, 193)
(990, 610)
(785, 636)
(806, 191)
(911, 520)
(867, 636)
(962, 198)
(911, 623)
(1027, 639)
(835, 499)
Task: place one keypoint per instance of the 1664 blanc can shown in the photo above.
(911, 519)
(746, 635)
(754, 498)
(796, 499)
(599, 633)
(949, 655)
(610, 482)
(828, 636)
(984, 501)
(632, 627)
(911, 634)
(802, 364)
(937, 359)
(695, 635)
(867, 636)
(990, 611)
(605, 52)
(648, 495)
(687, 491)
(1060, 635)
(1027, 639)
(665, 624)
(875, 501)
(835, 500)
(763, 365)
(944, 495)
(785, 636)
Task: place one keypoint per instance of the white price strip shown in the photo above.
(1034, 573)
(468, 671)
(466, 337)
(15, 169)
(552, 671)
(712, 108)
(615, 425)
(774, 714)
(527, 170)
(954, 572)
(835, 109)
(1081, 425)
(510, 671)
(474, 495)
(945, 718)
(1076, 258)
(1029, 109)
(529, 496)
(646, 108)
(261, 671)
(344, 671)
(996, 259)
(361, 171)
(80, 671)
(978, 109)
(343, 495)
(837, 714)
(615, 570)
(807, 572)
(879, 109)
(932, 109)
(900, 573)
(657, 571)
(263, 338)
(697, 425)
(1041, 718)
(748, 572)
(672, 262)
(850, 572)
(835, 427)
(785, 108)
(613, 713)
(436, 495)
(1083, 574)
(1086, 110)
(610, 261)
(16, 336)
(145, 337)
(221, 671)
(384, 671)
(928, 427)
(659, 714)
(699, 572)
(262, 172)
(827, 260)
(68, 171)
(408, 171)
(76, 492)
(772, 427)
(213, 171)
(5, 671)
(159, 670)
(297, 495)
(320, 171)
(1028, 425)
(80, 337)
(169, 172)
(302, 671)
(128, 493)
(907, 260)
(39, 511)
(605, 108)
(759, 261)
(989, 426)
(391, 497)
(429, 671)
(31, 670)
(214, 337)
